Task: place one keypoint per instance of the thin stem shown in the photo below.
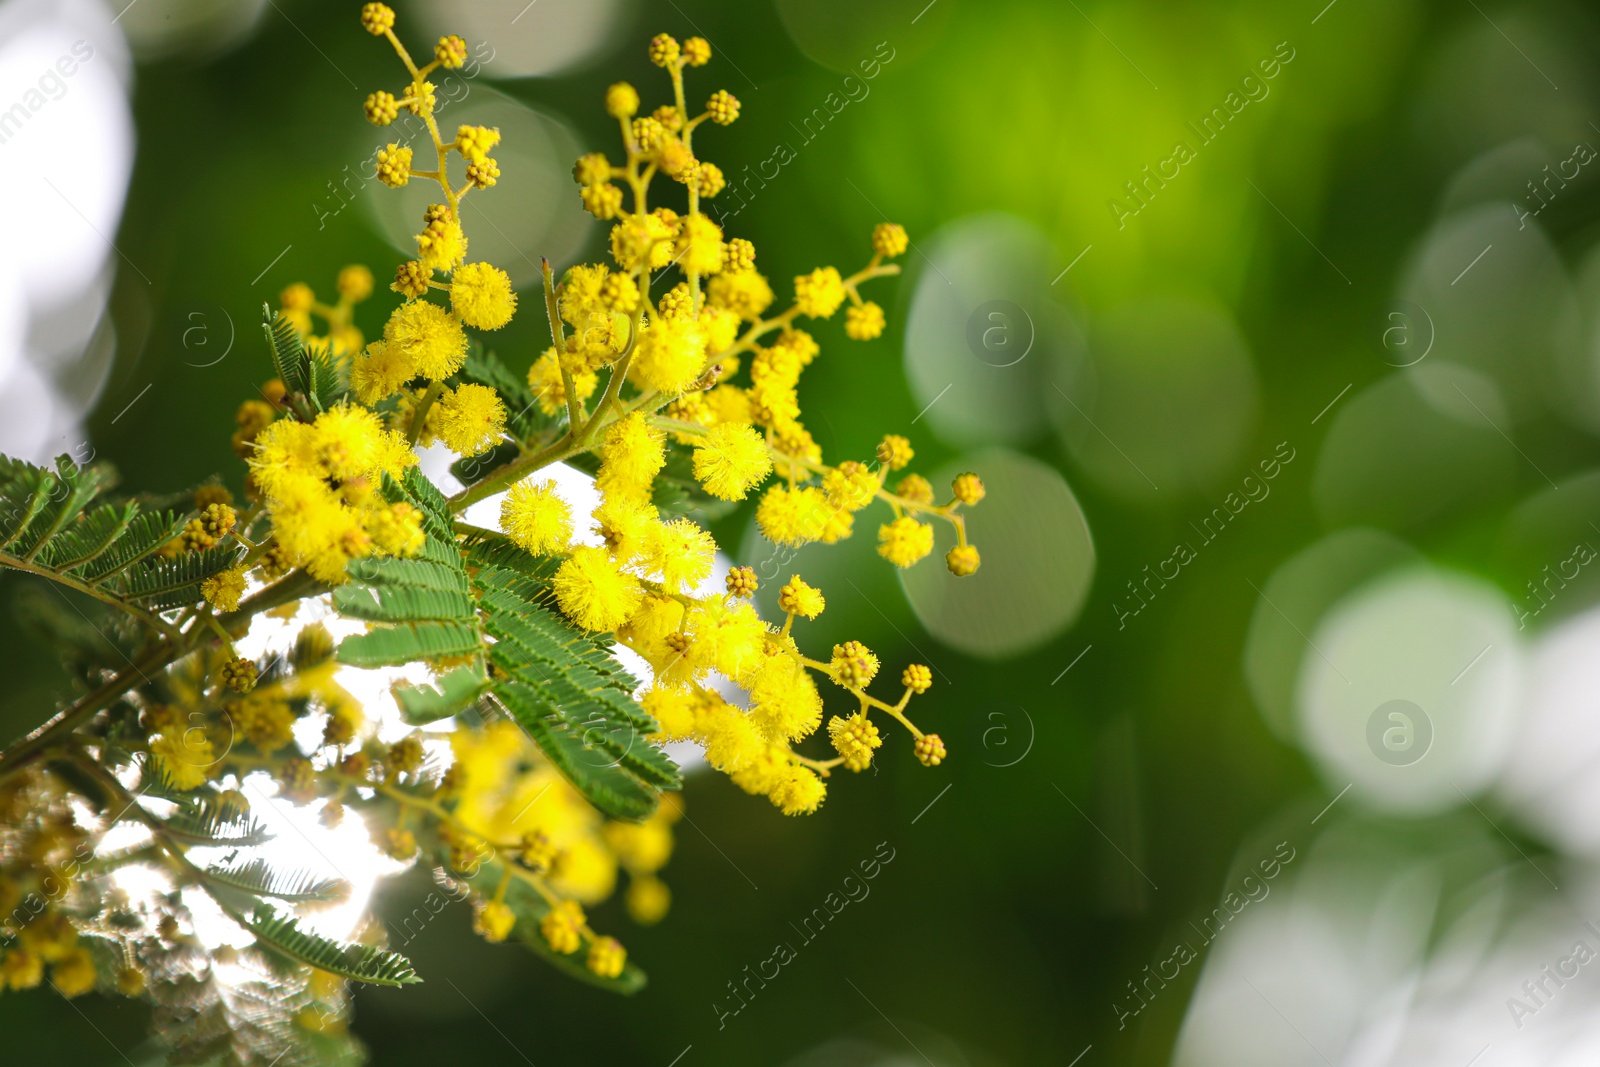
(575, 414)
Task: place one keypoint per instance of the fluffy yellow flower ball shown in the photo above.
(904, 541)
(425, 335)
(536, 518)
(471, 419)
(593, 592)
(731, 460)
(482, 296)
(819, 294)
(670, 355)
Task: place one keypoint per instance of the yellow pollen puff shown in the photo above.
(606, 957)
(784, 702)
(354, 283)
(411, 279)
(451, 52)
(962, 560)
(723, 107)
(474, 142)
(889, 239)
(481, 295)
(536, 518)
(297, 297)
(377, 19)
(798, 598)
(699, 247)
(895, 452)
(854, 738)
(731, 460)
(917, 678)
(741, 582)
(483, 173)
(640, 240)
(223, 590)
(593, 592)
(853, 665)
(633, 454)
(592, 169)
(493, 920)
(904, 541)
(670, 355)
(850, 486)
(819, 294)
(680, 553)
(394, 165)
(420, 98)
(793, 516)
(915, 488)
(648, 900)
(73, 974)
(968, 488)
(441, 244)
(562, 926)
(864, 323)
(697, 51)
(663, 50)
(381, 108)
(472, 418)
(619, 292)
(602, 201)
(799, 792)
(380, 372)
(428, 337)
(669, 117)
(622, 101)
(708, 179)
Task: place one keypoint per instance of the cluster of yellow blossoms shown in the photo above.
(701, 370)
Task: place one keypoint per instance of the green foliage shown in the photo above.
(168, 583)
(306, 374)
(456, 691)
(203, 821)
(48, 527)
(257, 877)
(359, 963)
(561, 685)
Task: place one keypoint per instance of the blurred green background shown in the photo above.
(1085, 815)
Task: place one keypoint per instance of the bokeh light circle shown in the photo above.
(519, 39)
(1038, 561)
(982, 297)
(1293, 601)
(1443, 642)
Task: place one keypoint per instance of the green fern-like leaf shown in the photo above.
(258, 878)
(145, 533)
(288, 353)
(205, 822)
(85, 540)
(392, 646)
(403, 604)
(171, 582)
(359, 963)
(456, 691)
(596, 773)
